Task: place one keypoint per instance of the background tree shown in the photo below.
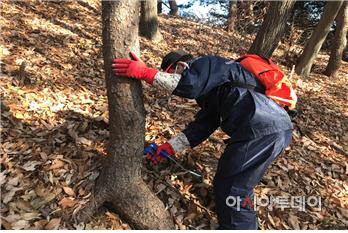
(148, 25)
(232, 15)
(339, 42)
(159, 7)
(174, 10)
(120, 180)
(345, 53)
(315, 42)
(272, 28)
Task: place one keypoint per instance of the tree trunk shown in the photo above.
(173, 8)
(317, 39)
(148, 25)
(272, 28)
(232, 15)
(159, 7)
(340, 41)
(120, 180)
(345, 53)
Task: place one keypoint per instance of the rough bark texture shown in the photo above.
(272, 28)
(159, 7)
(173, 8)
(339, 42)
(317, 39)
(232, 15)
(148, 25)
(345, 53)
(120, 180)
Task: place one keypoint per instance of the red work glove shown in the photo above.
(133, 69)
(166, 147)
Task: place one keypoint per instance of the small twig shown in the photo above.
(292, 72)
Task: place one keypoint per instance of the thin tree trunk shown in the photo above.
(148, 25)
(272, 28)
(173, 8)
(232, 15)
(159, 7)
(317, 39)
(345, 53)
(340, 41)
(120, 180)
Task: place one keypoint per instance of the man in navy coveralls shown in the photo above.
(259, 129)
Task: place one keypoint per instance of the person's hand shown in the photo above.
(164, 150)
(133, 69)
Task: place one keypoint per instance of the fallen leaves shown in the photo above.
(57, 163)
(69, 191)
(67, 202)
(53, 224)
(30, 165)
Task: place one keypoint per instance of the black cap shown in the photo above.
(174, 57)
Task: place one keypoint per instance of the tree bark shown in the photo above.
(345, 54)
(148, 25)
(173, 8)
(232, 15)
(159, 7)
(339, 43)
(272, 28)
(120, 180)
(317, 39)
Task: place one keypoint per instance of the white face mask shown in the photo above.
(182, 66)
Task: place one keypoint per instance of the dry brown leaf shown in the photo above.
(13, 181)
(37, 203)
(57, 163)
(3, 177)
(294, 223)
(84, 141)
(7, 197)
(53, 224)
(30, 216)
(72, 133)
(270, 218)
(69, 191)
(24, 205)
(30, 165)
(344, 212)
(6, 225)
(67, 202)
(41, 191)
(19, 225)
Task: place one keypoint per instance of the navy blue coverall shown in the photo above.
(259, 131)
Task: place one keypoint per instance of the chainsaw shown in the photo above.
(150, 152)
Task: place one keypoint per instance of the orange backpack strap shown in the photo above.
(255, 56)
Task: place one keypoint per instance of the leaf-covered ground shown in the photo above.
(55, 125)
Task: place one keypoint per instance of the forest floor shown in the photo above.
(55, 125)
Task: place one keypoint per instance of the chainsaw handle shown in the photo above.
(164, 154)
(151, 149)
